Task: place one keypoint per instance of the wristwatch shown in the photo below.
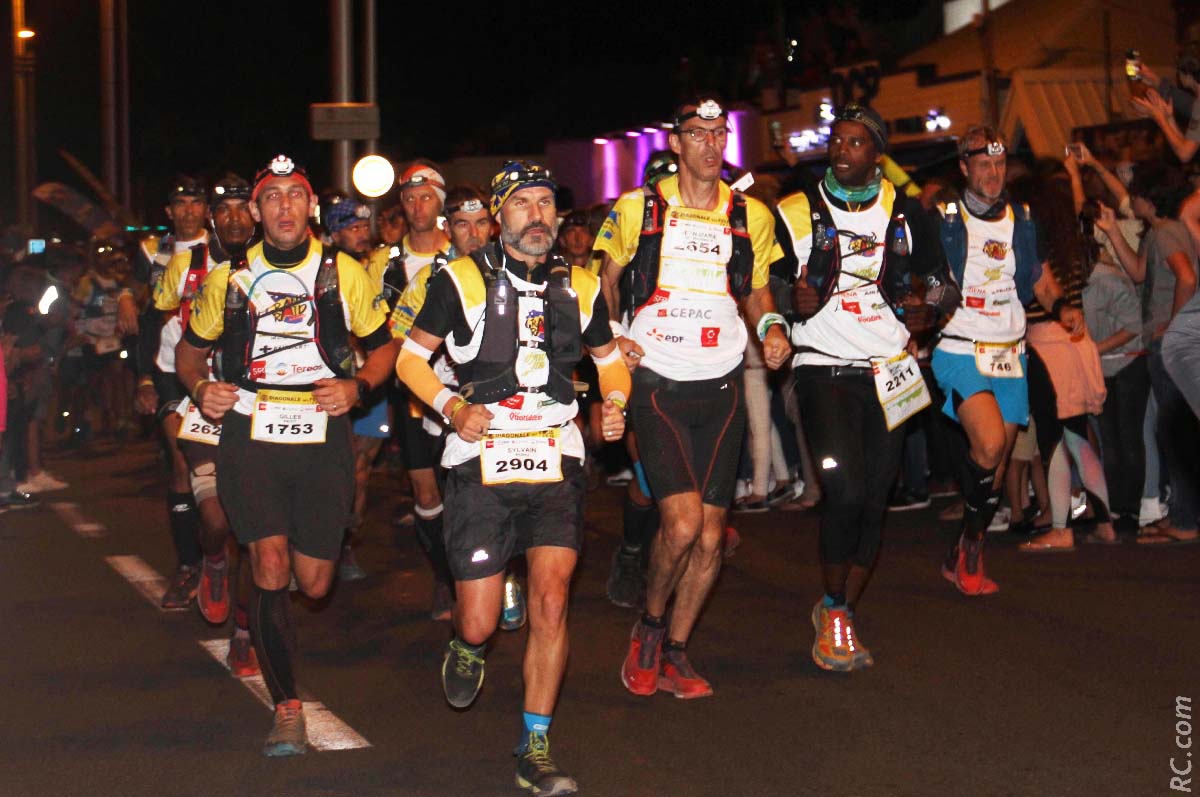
(364, 387)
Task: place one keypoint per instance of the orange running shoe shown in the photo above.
(639, 671)
(213, 595)
(836, 646)
(680, 679)
(969, 576)
(242, 660)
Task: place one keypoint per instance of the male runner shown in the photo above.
(857, 241)
(516, 321)
(996, 258)
(285, 467)
(159, 391)
(691, 253)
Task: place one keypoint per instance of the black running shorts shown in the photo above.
(419, 449)
(303, 491)
(689, 433)
(485, 526)
(170, 392)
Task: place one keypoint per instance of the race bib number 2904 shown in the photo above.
(521, 457)
(282, 416)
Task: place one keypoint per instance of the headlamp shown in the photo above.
(466, 206)
(707, 109)
(990, 148)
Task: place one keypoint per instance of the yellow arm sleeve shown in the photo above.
(899, 178)
(614, 378)
(415, 372)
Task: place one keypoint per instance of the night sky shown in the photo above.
(218, 84)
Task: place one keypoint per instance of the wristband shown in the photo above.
(769, 320)
(618, 399)
(462, 402)
(196, 388)
(145, 381)
(618, 329)
(364, 387)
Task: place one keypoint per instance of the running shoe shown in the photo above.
(626, 581)
(462, 674)
(639, 671)
(787, 491)
(18, 499)
(536, 771)
(442, 607)
(620, 478)
(969, 575)
(287, 736)
(679, 677)
(213, 594)
(242, 660)
(754, 507)
(945, 489)
(182, 588)
(906, 500)
(836, 647)
(348, 568)
(1000, 521)
(47, 482)
(513, 615)
(731, 542)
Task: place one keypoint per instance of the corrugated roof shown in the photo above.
(1044, 105)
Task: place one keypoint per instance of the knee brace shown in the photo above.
(204, 481)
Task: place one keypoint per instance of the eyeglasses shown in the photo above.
(701, 134)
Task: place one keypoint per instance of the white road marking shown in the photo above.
(144, 578)
(325, 730)
(71, 515)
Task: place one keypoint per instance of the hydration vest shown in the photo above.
(331, 335)
(492, 375)
(825, 258)
(1024, 243)
(640, 276)
(197, 271)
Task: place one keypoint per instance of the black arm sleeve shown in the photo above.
(928, 259)
(380, 337)
(785, 268)
(442, 312)
(195, 340)
(598, 331)
(150, 327)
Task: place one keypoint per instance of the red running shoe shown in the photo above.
(639, 671)
(213, 595)
(969, 576)
(680, 679)
(242, 660)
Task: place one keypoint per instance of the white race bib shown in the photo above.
(284, 416)
(196, 427)
(694, 254)
(530, 457)
(900, 387)
(999, 360)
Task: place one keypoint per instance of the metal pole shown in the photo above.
(125, 192)
(342, 79)
(108, 94)
(991, 103)
(22, 67)
(370, 64)
(1108, 64)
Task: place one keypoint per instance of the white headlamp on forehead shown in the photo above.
(990, 148)
(282, 165)
(707, 110)
(466, 206)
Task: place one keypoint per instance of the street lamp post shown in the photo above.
(23, 117)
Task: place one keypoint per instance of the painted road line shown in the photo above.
(144, 578)
(70, 514)
(325, 730)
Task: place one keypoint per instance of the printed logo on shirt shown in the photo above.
(665, 337)
(535, 322)
(514, 402)
(851, 307)
(685, 312)
(996, 250)
(258, 370)
(709, 337)
(863, 245)
(975, 302)
(288, 308)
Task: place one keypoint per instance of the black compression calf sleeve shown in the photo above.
(639, 523)
(274, 641)
(431, 534)
(185, 527)
(979, 499)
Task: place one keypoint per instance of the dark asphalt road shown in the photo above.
(1063, 684)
